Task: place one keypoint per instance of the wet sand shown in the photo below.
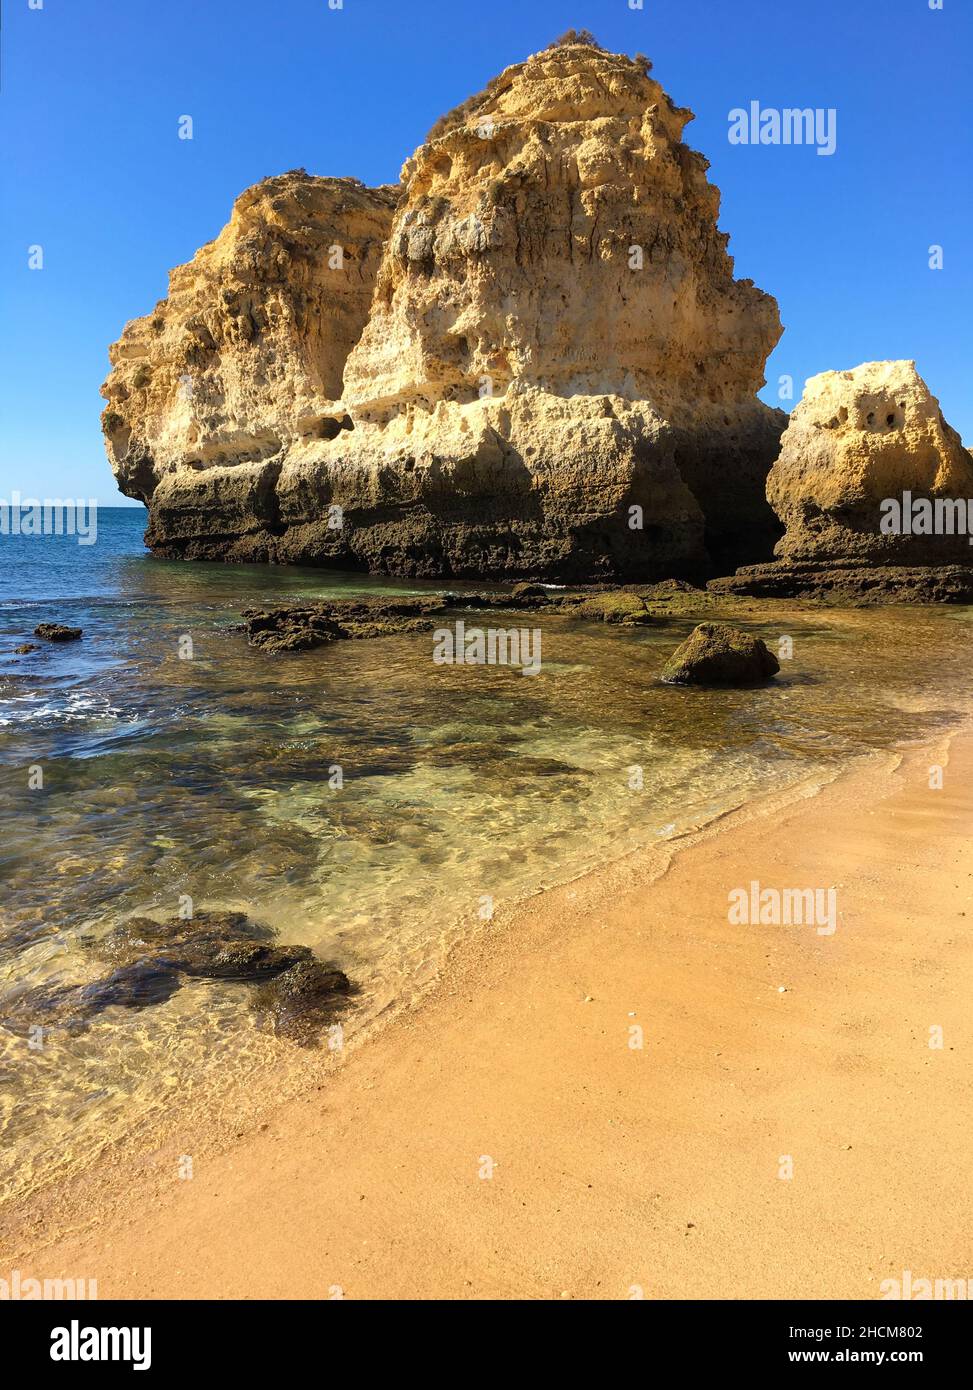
(616, 1169)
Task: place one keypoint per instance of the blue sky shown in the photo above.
(94, 172)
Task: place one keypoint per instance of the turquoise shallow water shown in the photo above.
(211, 778)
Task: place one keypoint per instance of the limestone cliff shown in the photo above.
(243, 358)
(557, 375)
(858, 443)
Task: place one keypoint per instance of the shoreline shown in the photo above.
(615, 1168)
(263, 1087)
(263, 1080)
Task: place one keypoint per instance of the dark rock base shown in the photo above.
(849, 584)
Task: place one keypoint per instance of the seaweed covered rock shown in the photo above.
(621, 606)
(717, 654)
(151, 960)
(189, 938)
(301, 1001)
(300, 627)
(136, 985)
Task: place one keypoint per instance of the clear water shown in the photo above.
(209, 777)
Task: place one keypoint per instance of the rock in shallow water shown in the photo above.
(717, 654)
(301, 1001)
(133, 986)
(301, 627)
(623, 606)
(57, 632)
(849, 585)
(153, 960)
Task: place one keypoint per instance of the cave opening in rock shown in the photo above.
(331, 426)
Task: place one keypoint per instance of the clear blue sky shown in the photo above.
(93, 170)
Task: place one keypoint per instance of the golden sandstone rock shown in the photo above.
(858, 439)
(243, 358)
(875, 490)
(541, 365)
(529, 359)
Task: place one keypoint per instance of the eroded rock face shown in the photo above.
(245, 356)
(859, 442)
(555, 339)
(557, 246)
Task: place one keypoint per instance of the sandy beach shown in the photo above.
(784, 1130)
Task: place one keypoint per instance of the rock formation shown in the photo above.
(872, 486)
(57, 632)
(297, 995)
(242, 360)
(717, 654)
(555, 376)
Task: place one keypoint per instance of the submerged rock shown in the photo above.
(621, 606)
(152, 960)
(301, 1001)
(134, 986)
(529, 595)
(57, 632)
(25, 647)
(865, 449)
(139, 937)
(398, 415)
(299, 627)
(247, 962)
(717, 654)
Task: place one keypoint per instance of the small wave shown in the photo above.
(79, 707)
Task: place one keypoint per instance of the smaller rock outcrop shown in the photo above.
(151, 960)
(875, 490)
(242, 360)
(299, 627)
(299, 1002)
(717, 654)
(627, 607)
(302, 627)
